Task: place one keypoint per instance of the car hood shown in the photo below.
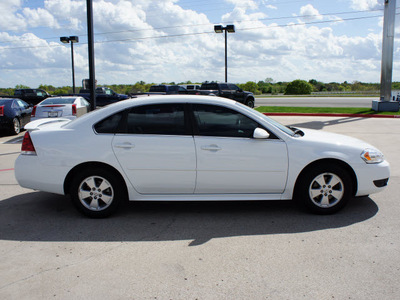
(333, 139)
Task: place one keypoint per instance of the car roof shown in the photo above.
(6, 100)
(156, 99)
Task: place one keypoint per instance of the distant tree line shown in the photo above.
(267, 86)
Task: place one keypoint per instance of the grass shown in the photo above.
(319, 95)
(323, 110)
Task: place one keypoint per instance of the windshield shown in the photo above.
(278, 125)
(209, 86)
(58, 101)
(158, 88)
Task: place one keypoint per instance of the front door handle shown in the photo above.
(213, 148)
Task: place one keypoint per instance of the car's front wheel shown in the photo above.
(325, 189)
(97, 193)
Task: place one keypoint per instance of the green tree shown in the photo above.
(299, 87)
(21, 86)
(61, 91)
(250, 86)
(396, 85)
(47, 88)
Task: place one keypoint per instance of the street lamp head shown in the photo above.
(64, 39)
(74, 39)
(218, 28)
(230, 28)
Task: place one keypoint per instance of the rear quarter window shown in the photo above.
(109, 124)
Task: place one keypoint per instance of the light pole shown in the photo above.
(220, 29)
(386, 103)
(66, 40)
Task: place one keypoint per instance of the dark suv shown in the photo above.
(32, 96)
(167, 89)
(228, 90)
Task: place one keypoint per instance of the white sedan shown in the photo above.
(69, 107)
(183, 148)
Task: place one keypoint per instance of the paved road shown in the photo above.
(250, 250)
(316, 101)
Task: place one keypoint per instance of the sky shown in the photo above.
(158, 41)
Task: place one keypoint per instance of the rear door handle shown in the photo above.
(124, 146)
(213, 148)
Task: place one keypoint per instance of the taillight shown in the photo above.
(74, 109)
(2, 111)
(27, 147)
(33, 113)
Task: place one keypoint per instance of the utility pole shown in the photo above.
(92, 80)
(385, 103)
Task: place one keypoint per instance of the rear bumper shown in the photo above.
(32, 174)
(5, 123)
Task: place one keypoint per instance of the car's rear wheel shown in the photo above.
(325, 189)
(97, 193)
(250, 102)
(16, 126)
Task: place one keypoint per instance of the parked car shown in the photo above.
(57, 107)
(190, 86)
(31, 96)
(167, 89)
(14, 114)
(104, 96)
(194, 148)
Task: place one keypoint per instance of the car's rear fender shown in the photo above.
(91, 165)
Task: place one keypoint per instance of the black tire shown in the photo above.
(324, 189)
(250, 102)
(16, 126)
(97, 192)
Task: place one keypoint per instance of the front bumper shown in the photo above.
(372, 178)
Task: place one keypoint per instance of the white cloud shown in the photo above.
(364, 4)
(281, 51)
(245, 4)
(39, 18)
(11, 20)
(309, 13)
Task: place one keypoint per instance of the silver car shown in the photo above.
(69, 107)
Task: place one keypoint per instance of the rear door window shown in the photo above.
(161, 119)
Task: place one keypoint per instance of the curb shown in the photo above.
(333, 115)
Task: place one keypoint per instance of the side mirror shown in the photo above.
(260, 133)
(240, 90)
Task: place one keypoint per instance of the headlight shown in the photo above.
(372, 156)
